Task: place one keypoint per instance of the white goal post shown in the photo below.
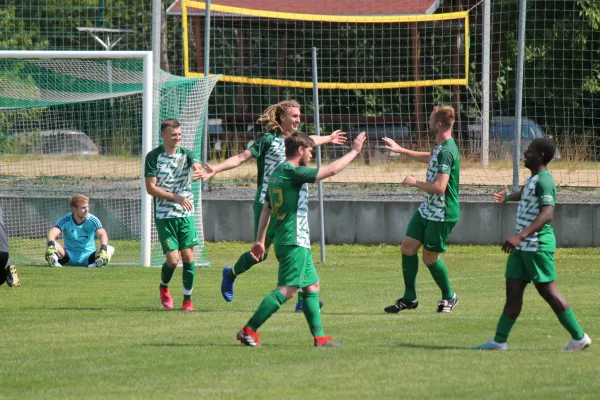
(147, 121)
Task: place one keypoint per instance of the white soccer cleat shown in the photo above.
(53, 261)
(491, 345)
(580, 344)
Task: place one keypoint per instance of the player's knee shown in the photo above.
(408, 248)
(430, 257)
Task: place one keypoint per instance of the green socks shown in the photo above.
(268, 307)
(503, 329)
(440, 275)
(166, 274)
(568, 320)
(410, 266)
(312, 312)
(189, 272)
(245, 262)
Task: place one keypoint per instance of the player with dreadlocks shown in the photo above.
(280, 121)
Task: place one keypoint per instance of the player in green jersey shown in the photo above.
(531, 250)
(169, 170)
(431, 225)
(280, 121)
(287, 201)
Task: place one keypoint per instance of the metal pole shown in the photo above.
(519, 93)
(318, 133)
(206, 74)
(146, 148)
(156, 30)
(485, 84)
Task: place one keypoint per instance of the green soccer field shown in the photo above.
(75, 333)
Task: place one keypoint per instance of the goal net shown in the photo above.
(76, 125)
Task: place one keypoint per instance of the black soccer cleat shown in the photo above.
(401, 305)
(446, 306)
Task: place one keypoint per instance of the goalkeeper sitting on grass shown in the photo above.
(78, 228)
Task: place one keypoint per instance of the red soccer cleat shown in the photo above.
(165, 297)
(248, 337)
(325, 341)
(187, 306)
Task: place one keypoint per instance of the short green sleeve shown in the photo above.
(150, 164)
(191, 157)
(545, 191)
(301, 175)
(261, 145)
(445, 161)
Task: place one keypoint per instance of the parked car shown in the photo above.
(502, 134)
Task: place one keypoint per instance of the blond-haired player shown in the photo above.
(280, 120)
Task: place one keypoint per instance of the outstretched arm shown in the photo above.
(341, 163)
(505, 195)
(420, 156)
(336, 137)
(232, 162)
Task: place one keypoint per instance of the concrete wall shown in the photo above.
(366, 222)
(370, 222)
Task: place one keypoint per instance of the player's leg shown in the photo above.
(301, 296)
(246, 261)
(64, 256)
(542, 263)
(102, 257)
(55, 253)
(166, 229)
(436, 237)
(415, 233)
(517, 279)
(188, 238)
(3, 265)
(287, 284)
(309, 281)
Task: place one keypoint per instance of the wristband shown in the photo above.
(51, 243)
(103, 247)
(506, 196)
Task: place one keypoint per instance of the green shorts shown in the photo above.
(296, 267)
(177, 233)
(536, 266)
(258, 207)
(433, 234)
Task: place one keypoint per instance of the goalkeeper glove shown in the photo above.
(52, 255)
(102, 257)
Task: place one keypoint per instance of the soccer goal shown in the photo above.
(82, 122)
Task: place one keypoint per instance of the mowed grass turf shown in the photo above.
(75, 333)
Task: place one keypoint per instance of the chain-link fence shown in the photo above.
(561, 86)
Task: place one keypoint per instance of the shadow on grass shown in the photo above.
(140, 309)
(238, 345)
(430, 346)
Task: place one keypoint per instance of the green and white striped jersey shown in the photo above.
(269, 151)
(443, 207)
(288, 197)
(539, 190)
(172, 175)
